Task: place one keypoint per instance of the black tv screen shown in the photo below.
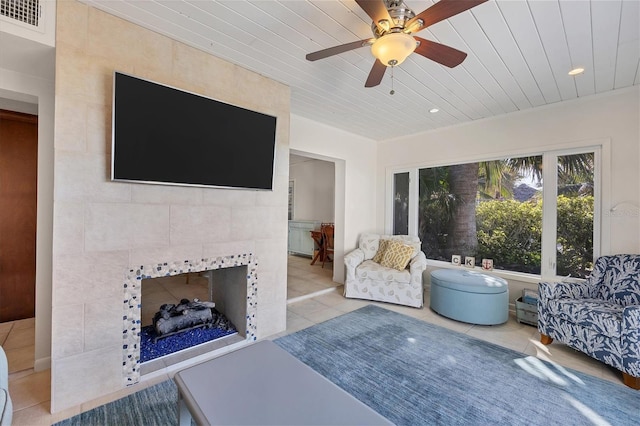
(168, 136)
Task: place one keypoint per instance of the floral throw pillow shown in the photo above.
(396, 255)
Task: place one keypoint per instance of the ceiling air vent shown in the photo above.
(25, 11)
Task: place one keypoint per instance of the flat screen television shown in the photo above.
(163, 135)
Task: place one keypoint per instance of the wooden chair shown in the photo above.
(316, 236)
(327, 242)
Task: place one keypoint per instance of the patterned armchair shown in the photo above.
(369, 280)
(600, 317)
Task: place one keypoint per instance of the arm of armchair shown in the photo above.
(417, 265)
(562, 290)
(547, 319)
(352, 260)
(630, 339)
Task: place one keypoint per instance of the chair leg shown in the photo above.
(545, 340)
(632, 382)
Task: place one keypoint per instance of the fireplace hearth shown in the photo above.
(231, 285)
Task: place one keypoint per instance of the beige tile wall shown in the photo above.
(102, 228)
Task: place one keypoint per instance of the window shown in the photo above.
(574, 214)
(501, 210)
(401, 203)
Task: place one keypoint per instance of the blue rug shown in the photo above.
(414, 373)
(154, 406)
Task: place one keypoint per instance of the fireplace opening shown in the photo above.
(230, 283)
(187, 310)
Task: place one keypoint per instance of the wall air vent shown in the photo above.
(25, 11)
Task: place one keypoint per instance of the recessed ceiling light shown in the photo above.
(576, 71)
(433, 110)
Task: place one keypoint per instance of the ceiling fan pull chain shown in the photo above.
(392, 91)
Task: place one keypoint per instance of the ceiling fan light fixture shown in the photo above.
(393, 48)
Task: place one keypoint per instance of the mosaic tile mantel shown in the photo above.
(133, 296)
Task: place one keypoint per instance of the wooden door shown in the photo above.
(18, 186)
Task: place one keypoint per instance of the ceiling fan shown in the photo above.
(393, 25)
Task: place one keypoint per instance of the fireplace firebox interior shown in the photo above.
(186, 310)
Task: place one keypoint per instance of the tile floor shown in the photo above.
(17, 338)
(30, 391)
(305, 279)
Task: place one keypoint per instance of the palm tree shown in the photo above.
(497, 179)
(463, 184)
(575, 174)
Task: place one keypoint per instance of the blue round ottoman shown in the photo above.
(469, 296)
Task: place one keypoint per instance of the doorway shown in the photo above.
(311, 203)
(18, 198)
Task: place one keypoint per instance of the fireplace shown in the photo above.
(230, 282)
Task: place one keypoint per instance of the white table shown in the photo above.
(263, 384)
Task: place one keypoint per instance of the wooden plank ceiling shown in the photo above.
(519, 54)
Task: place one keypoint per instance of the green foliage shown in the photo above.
(434, 222)
(509, 232)
(436, 209)
(575, 236)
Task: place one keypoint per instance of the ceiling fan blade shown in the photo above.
(376, 10)
(442, 10)
(445, 55)
(325, 53)
(376, 74)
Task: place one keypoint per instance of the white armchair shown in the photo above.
(6, 408)
(366, 279)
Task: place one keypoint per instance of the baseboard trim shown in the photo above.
(311, 295)
(42, 364)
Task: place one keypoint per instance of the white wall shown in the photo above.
(314, 195)
(355, 161)
(23, 88)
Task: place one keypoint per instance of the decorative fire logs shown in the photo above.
(172, 319)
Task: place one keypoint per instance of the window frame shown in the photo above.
(413, 199)
(602, 172)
